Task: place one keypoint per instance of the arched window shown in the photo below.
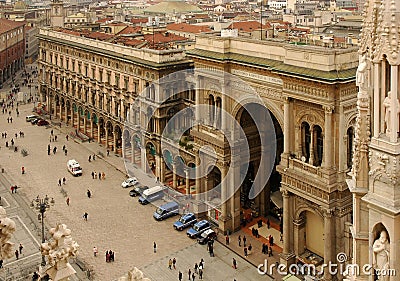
(218, 113)
(305, 141)
(318, 145)
(211, 109)
(350, 143)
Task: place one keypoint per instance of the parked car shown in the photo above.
(206, 236)
(34, 121)
(185, 221)
(129, 182)
(74, 168)
(152, 194)
(42, 122)
(138, 191)
(167, 210)
(29, 118)
(198, 228)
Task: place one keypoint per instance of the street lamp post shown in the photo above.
(42, 205)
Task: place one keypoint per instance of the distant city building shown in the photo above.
(12, 48)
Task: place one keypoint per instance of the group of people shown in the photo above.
(101, 175)
(62, 181)
(198, 269)
(110, 256)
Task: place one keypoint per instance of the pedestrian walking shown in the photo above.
(90, 158)
(103, 175)
(94, 157)
(189, 274)
(99, 175)
(244, 240)
(85, 216)
(65, 152)
(193, 276)
(95, 251)
(201, 264)
(20, 248)
(245, 252)
(196, 266)
(108, 152)
(270, 252)
(95, 175)
(67, 201)
(54, 150)
(92, 175)
(170, 264)
(174, 263)
(107, 256)
(155, 247)
(234, 263)
(66, 137)
(239, 241)
(89, 194)
(180, 276)
(63, 148)
(200, 273)
(64, 180)
(250, 248)
(55, 138)
(23, 170)
(16, 254)
(59, 182)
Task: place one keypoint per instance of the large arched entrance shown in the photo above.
(118, 139)
(269, 200)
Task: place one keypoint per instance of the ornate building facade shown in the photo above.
(307, 92)
(375, 180)
(310, 94)
(91, 84)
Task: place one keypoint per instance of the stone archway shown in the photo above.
(102, 131)
(109, 137)
(117, 140)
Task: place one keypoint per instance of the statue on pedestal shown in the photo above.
(7, 228)
(381, 249)
(388, 110)
(362, 73)
(58, 251)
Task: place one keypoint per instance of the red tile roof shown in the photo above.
(139, 20)
(163, 38)
(103, 20)
(99, 35)
(247, 26)
(190, 28)
(7, 25)
(130, 30)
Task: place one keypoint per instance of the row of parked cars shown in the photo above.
(197, 229)
(36, 120)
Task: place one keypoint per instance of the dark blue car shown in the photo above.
(198, 228)
(185, 221)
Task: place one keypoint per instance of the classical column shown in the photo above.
(84, 123)
(328, 237)
(106, 145)
(60, 111)
(98, 132)
(327, 152)
(312, 139)
(298, 133)
(286, 126)
(377, 104)
(91, 128)
(394, 116)
(114, 147)
(187, 181)
(174, 179)
(133, 150)
(286, 222)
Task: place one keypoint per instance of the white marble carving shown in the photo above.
(58, 251)
(7, 228)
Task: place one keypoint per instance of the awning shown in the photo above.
(277, 199)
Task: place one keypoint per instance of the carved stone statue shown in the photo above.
(362, 73)
(381, 254)
(388, 110)
(58, 251)
(7, 228)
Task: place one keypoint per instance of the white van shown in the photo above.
(151, 194)
(74, 168)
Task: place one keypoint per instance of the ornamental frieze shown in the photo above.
(384, 167)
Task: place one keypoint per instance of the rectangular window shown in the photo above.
(108, 77)
(101, 75)
(126, 82)
(86, 71)
(93, 73)
(117, 80)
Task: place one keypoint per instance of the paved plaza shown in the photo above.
(116, 221)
